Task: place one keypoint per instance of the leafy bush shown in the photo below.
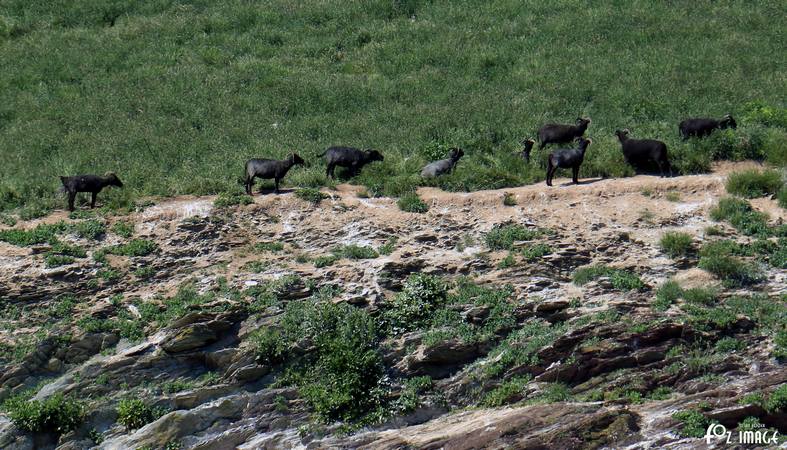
(693, 423)
(325, 260)
(135, 247)
(503, 236)
(270, 345)
(89, 229)
(58, 260)
(353, 251)
(754, 183)
(123, 229)
(227, 199)
(676, 244)
(535, 251)
(508, 391)
(413, 307)
(621, 279)
(134, 413)
(269, 247)
(777, 400)
(310, 195)
(57, 414)
(41, 234)
(411, 202)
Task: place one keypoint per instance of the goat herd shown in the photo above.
(637, 152)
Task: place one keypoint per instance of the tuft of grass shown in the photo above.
(732, 271)
(58, 260)
(325, 260)
(509, 391)
(411, 202)
(621, 279)
(91, 229)
(535, 251)
(311, 195)
(389, 246)
(673, 196)
(39, 235)
(754, 183)
(272, 247)
(676, 244)
(666, 295)
(508, 261)
(509, 199)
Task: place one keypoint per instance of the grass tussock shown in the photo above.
(754, 183)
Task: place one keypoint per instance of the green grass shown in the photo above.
(225, 81)
(503, 237)
(134, 413)
(667, 294)
(740, 214)
(676, 244)
(621, 279)
(411, 202)
(353, 251)
(754, 183)
(134, 247)
(229, 199)
(693, 423)
(123, 229)
(733, 272)
(311, 195)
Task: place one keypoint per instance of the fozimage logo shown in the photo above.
(717, 431)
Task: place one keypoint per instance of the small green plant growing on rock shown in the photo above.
(672, 196)
(89, 229)
(134, 247)
(227, 199)
(667, 294)
(134, 413)
(621, 279)
(123, 229)
(503, 237)
(311, 195)
(693, 423)
(413, 307)
(411, 202)
(325, 260)
(272, 247)
(509, 391)
(509, 199)
(354, 251)
(740, 214)
(732, 271)
(676, 244)
(57, 414)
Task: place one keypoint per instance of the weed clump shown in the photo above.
(621, 279)
(411, 202)
(311, 195)
(228, 199)
(503, 237)
(134, 413)
(754, 183)
(676, 244)
(57, 414)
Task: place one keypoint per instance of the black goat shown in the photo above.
(349, 157)
(527, 148)
(638, 152)
(88, 183)
(555, 133)
(567, 158)
(700, 127)
(269, 168)
(443, 166)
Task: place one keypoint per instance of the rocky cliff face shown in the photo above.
(348, 323)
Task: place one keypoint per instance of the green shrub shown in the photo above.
(58, 260)
(269, 247)
(508, 391)
(228, 199)
(413, 307)
(535, 251)
(135, 247)
(754, 183)
(508, 261)
(777, 400)
(60, 248)
(39, 235)
(57, 414)
(389, 246)
(411, 202)
(134, 413)
(310, 195)
(761, 113)
(700, 296)
(89, 229)
(693, 423)
(269, 345)
(729, 344)
(353, 251)
(123, 229)
(619, 278)
(676, 244)
(502, 237)
(509, 199)
(325, 260)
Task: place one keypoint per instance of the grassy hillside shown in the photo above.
(175, 95)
